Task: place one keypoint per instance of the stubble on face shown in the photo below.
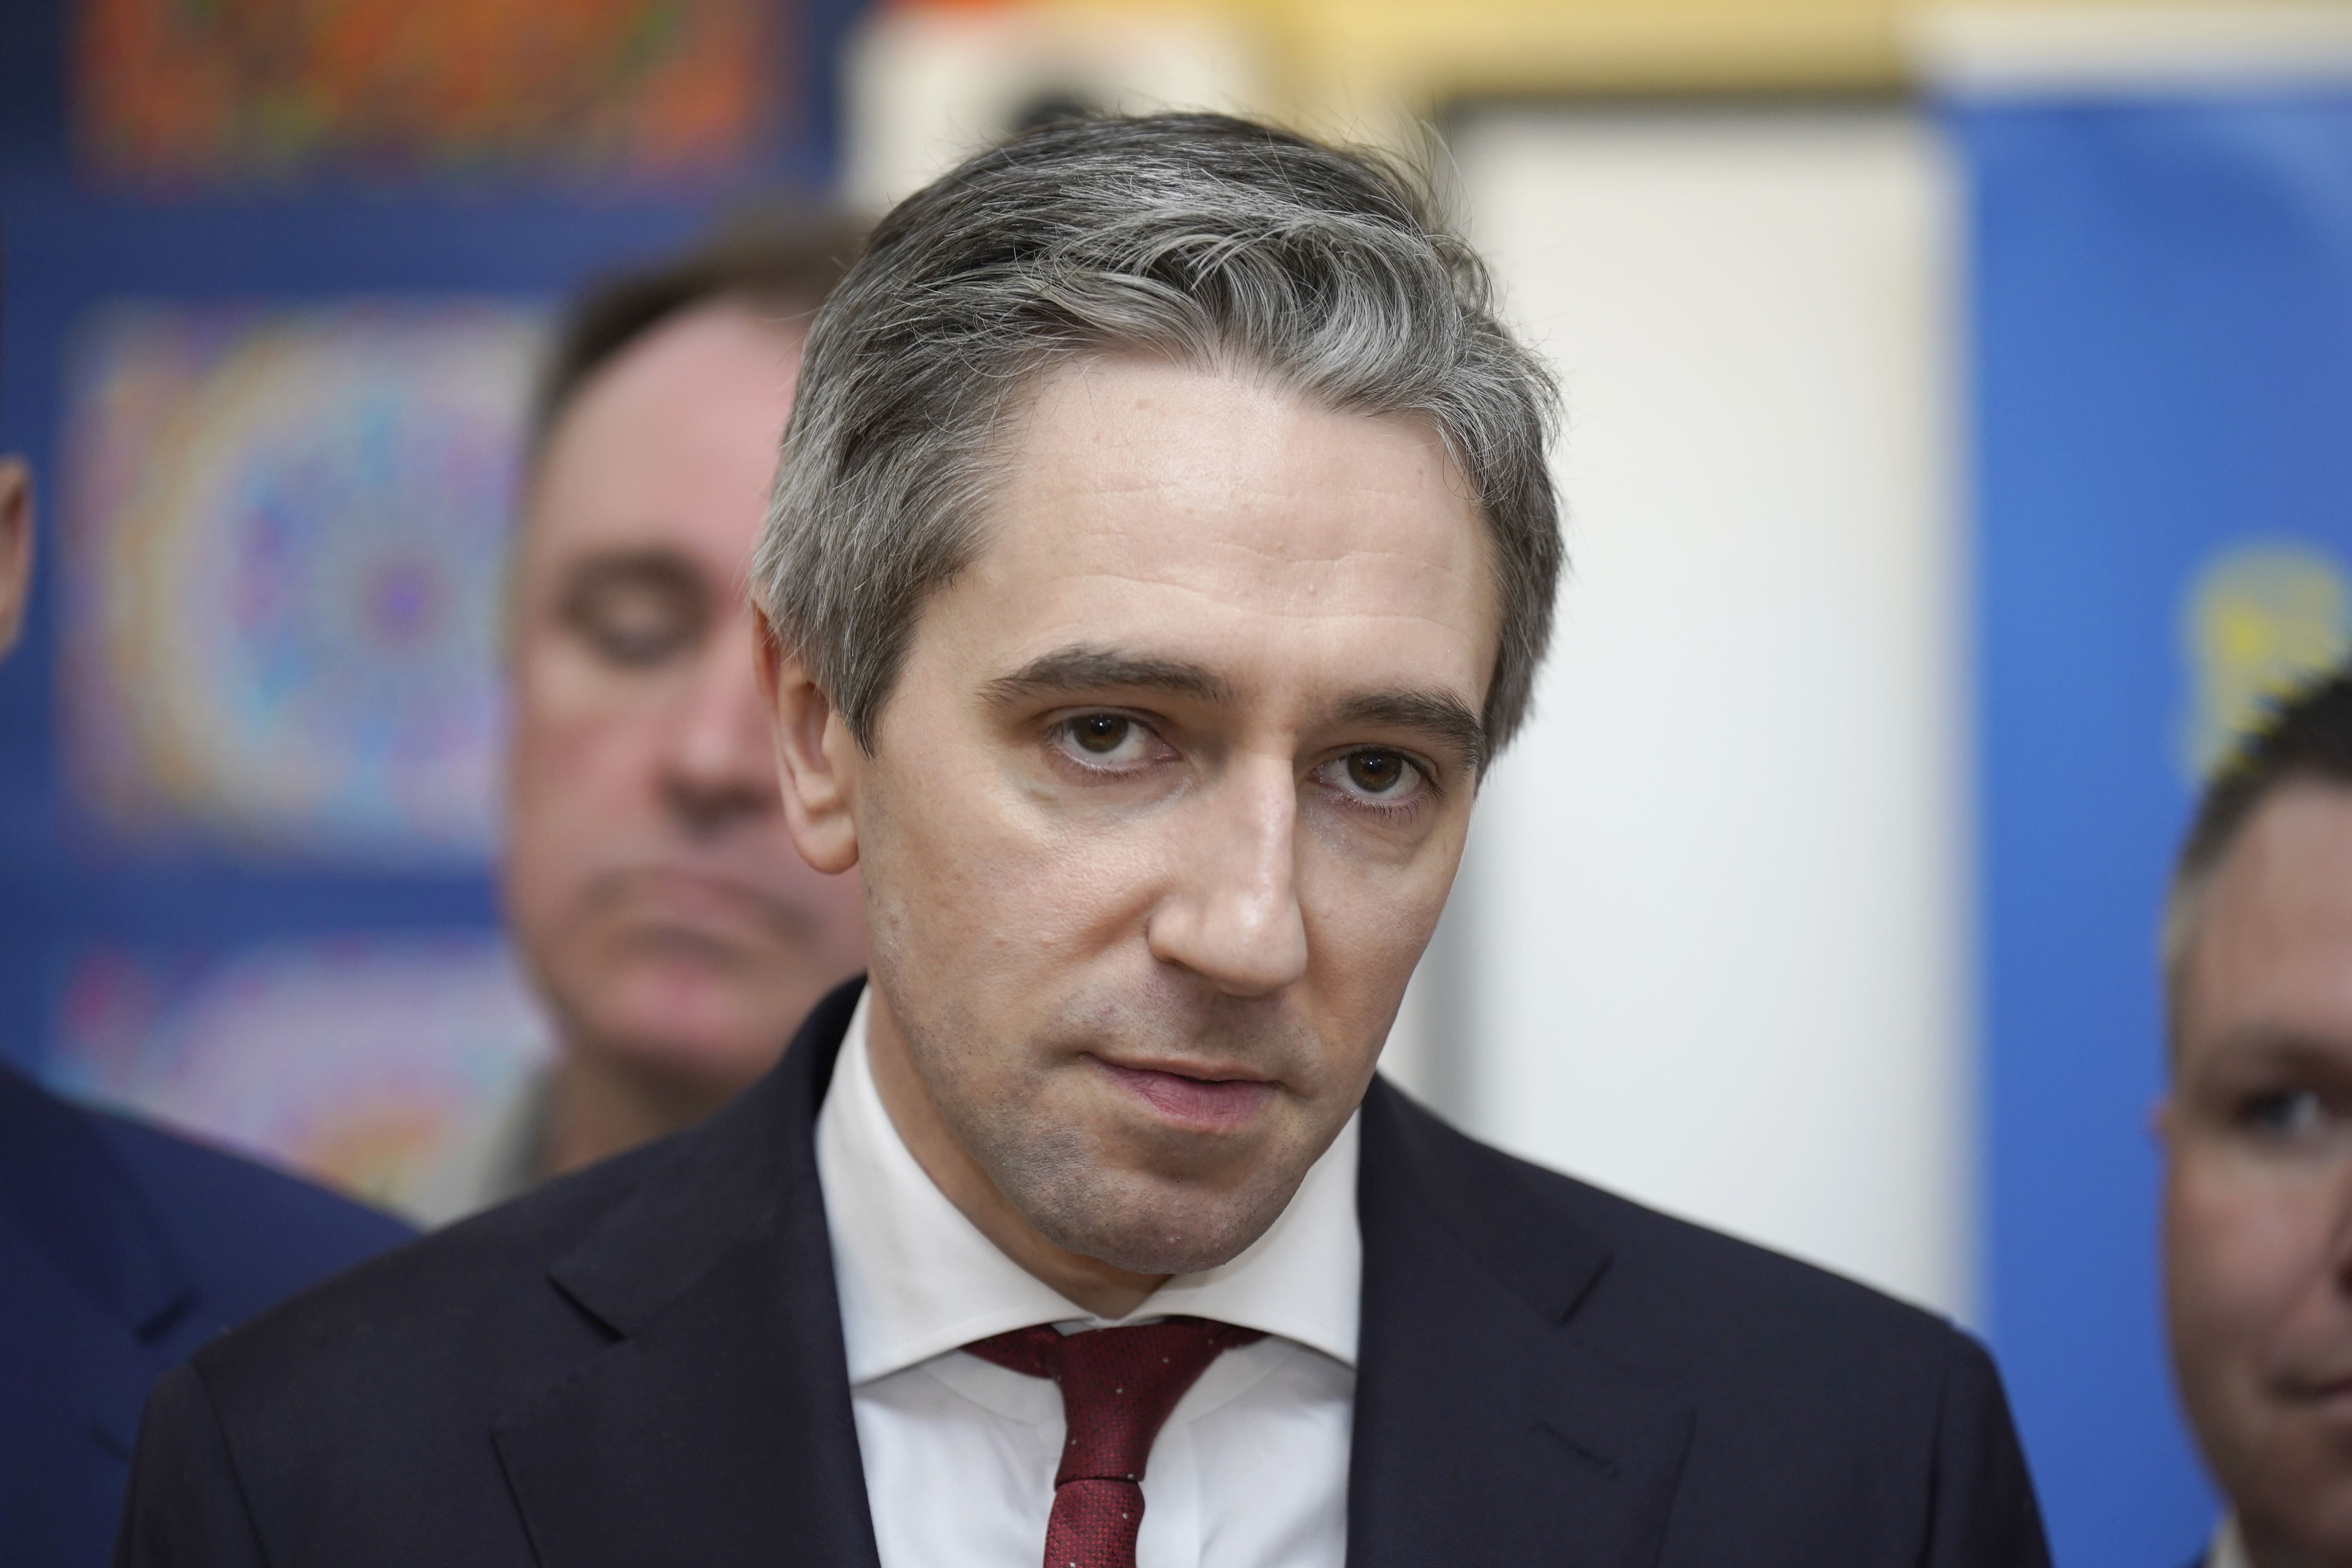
(1152, 1202)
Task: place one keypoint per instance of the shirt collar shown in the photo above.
(917, 1278)
(2228, 1549)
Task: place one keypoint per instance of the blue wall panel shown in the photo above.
(2162, 319)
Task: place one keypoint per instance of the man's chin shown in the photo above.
(715, 1042)
(2297, 1484)
(656, 951)
(1171, 1256)
(1165, 1232)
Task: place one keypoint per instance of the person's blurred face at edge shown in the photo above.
(15, 548)
(2258, 1191)
(1161, 811)
(675, 932)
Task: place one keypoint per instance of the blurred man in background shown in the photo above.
(120, 1251)
(672, 929)
(2257, 1131)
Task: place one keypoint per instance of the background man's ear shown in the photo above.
(817, 757)
(15, 548)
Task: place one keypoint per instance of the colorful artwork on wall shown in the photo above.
(283, 542)
(174, 91)
(370, 1063)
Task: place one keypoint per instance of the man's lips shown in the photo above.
(2333, 1388)
(701, 903)
(2319, 1391)
(1205, 1103)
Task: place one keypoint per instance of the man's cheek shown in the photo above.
(567, 762)
(2254, 1270)
(2222, 1238)
(562, 684)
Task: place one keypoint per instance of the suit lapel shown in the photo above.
(715, 1429)
(1485, 1431)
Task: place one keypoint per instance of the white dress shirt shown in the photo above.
(2228, 1548)
(1251, 1470)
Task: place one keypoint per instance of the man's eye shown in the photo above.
(1105, 740)
(1385, 778)
(634, 624)
(1379, 773)
(2284, 1113)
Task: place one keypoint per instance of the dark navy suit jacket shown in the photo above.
(643, 1364)
(121, 1249)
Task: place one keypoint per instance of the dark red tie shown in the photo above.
(1117, 1386)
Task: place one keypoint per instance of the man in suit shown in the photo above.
(121, 1249)
(2257, 1132)
(673, 932)
(1162, 543)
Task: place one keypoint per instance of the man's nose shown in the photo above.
(2331, 1205)
(2339, 1238)
(718, 768)
(1231, 915)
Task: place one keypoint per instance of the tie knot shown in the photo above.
(1117, 1385)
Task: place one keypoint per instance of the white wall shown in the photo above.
(1709, 949)
(924, 87)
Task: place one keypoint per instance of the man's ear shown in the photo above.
(15, 548)
(817, 757)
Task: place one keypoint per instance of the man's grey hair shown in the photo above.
(1205, 239)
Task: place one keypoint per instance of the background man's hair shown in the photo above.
(1207, 239)
(773, 258)
(2307, 736)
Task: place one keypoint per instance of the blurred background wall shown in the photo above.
(1960, 447)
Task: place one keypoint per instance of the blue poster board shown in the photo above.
(2162, 337)
(222, 816)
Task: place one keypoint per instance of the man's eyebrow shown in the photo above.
(652, 566)
(1073, 669)
(2277, 1047)
(1439, 715)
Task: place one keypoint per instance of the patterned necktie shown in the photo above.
(1117, 1386)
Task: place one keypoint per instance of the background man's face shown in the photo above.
(16, 547)
(2258, 1195)
(1168, 795)
(656, 894)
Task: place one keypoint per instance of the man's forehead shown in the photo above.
(670, 446)
(2292, 862)
(1148, 489)
(2271, 950)
(722, 358)
(1227, 445)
